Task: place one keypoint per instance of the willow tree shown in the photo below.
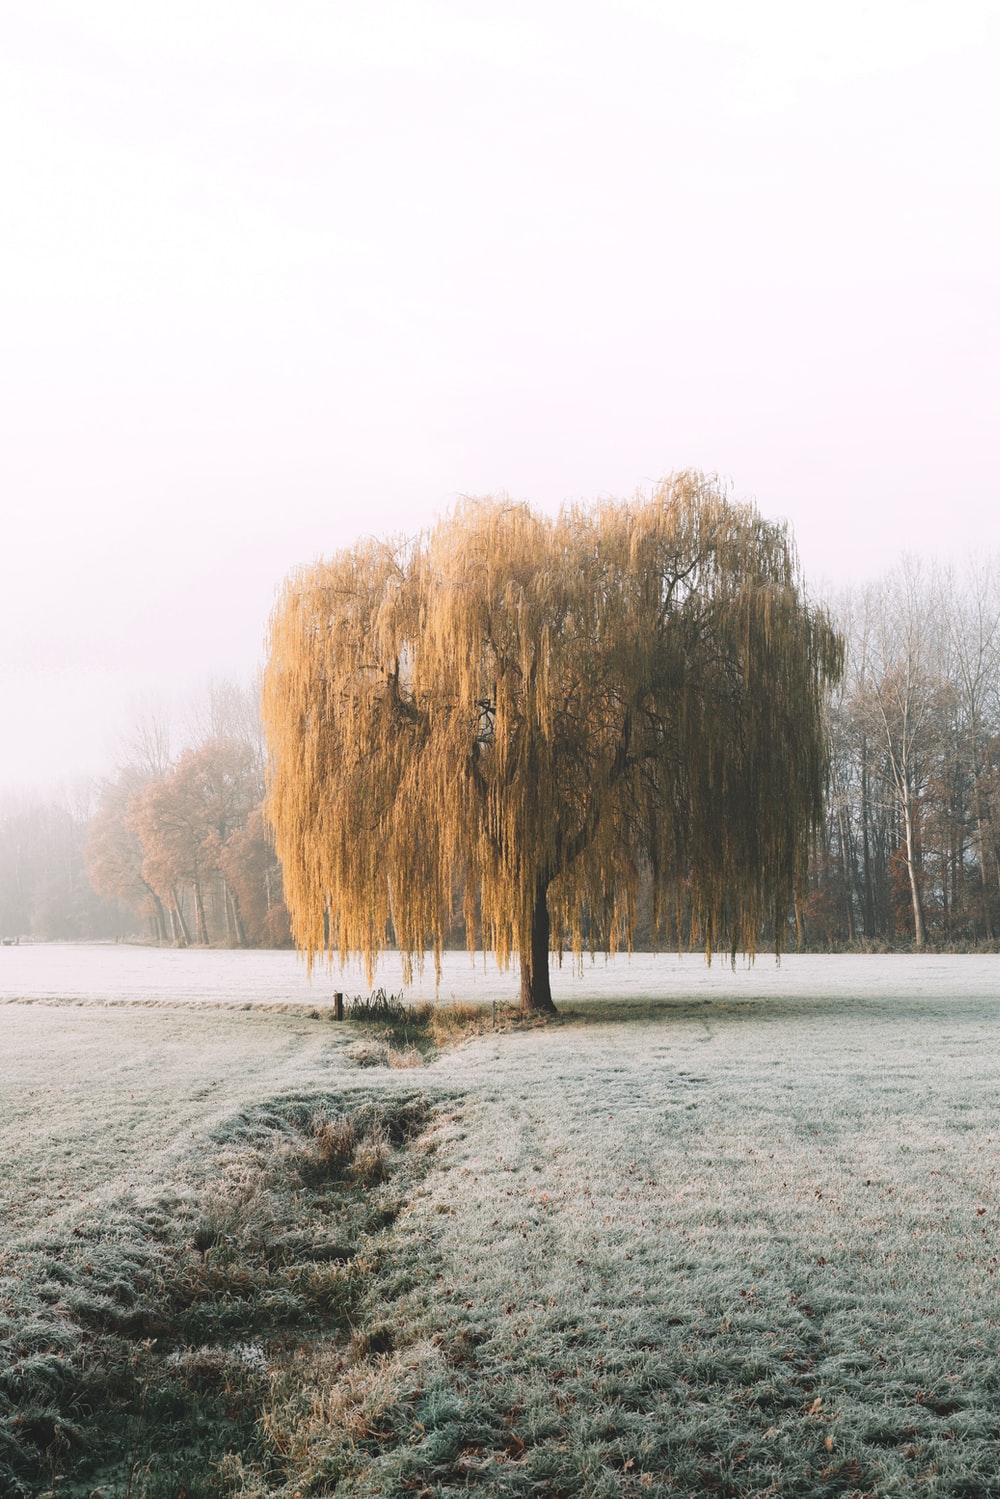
(533, 713)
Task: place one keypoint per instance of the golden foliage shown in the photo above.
(530, 710)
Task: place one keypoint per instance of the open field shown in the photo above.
(742, 1242)
(108, 971)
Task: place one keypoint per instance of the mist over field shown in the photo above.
(71, 973)
(277, 276)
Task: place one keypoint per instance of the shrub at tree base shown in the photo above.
(526, 714)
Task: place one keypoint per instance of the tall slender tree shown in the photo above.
(534, 711)
(898, 697)
(972, 613)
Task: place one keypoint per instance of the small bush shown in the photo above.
(377, 1009)
(404, 1036)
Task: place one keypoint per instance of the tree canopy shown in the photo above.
(530, 713)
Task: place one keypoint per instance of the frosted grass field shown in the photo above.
(96, 971)
(711, 1232)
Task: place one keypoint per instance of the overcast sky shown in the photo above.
(275, 273)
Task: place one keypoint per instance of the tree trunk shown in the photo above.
(233, 908)
(984, 880)
(159, 918)
(227, 907)
(868, 909)
(536, 992)
(201, 925)
(847, 869)
(919, 930)
(182, 937)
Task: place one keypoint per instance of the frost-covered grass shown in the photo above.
(739, 1246)
(185, 1196)
(100, 1099)
(724, 1249)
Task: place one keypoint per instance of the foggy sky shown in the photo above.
(276, 274)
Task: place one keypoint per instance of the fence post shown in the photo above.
(338, 1006)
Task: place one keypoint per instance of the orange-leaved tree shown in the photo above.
(534, 712)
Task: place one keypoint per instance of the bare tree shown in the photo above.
(971, 609)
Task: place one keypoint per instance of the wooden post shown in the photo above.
(338, 1006)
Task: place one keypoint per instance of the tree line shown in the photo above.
(910, 853)
(45, 891)
(175, 847)
(172, 848)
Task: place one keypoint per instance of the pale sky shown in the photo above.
(277, 273)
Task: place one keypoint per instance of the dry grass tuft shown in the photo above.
(370, 1161)
(448, 1024)
(402, 1060)
(404, 1036)
(367, 1053)
(336, 1139)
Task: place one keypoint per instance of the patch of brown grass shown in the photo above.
(448, 1024)
(335, 1139)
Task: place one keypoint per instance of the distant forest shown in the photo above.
(174, 849)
